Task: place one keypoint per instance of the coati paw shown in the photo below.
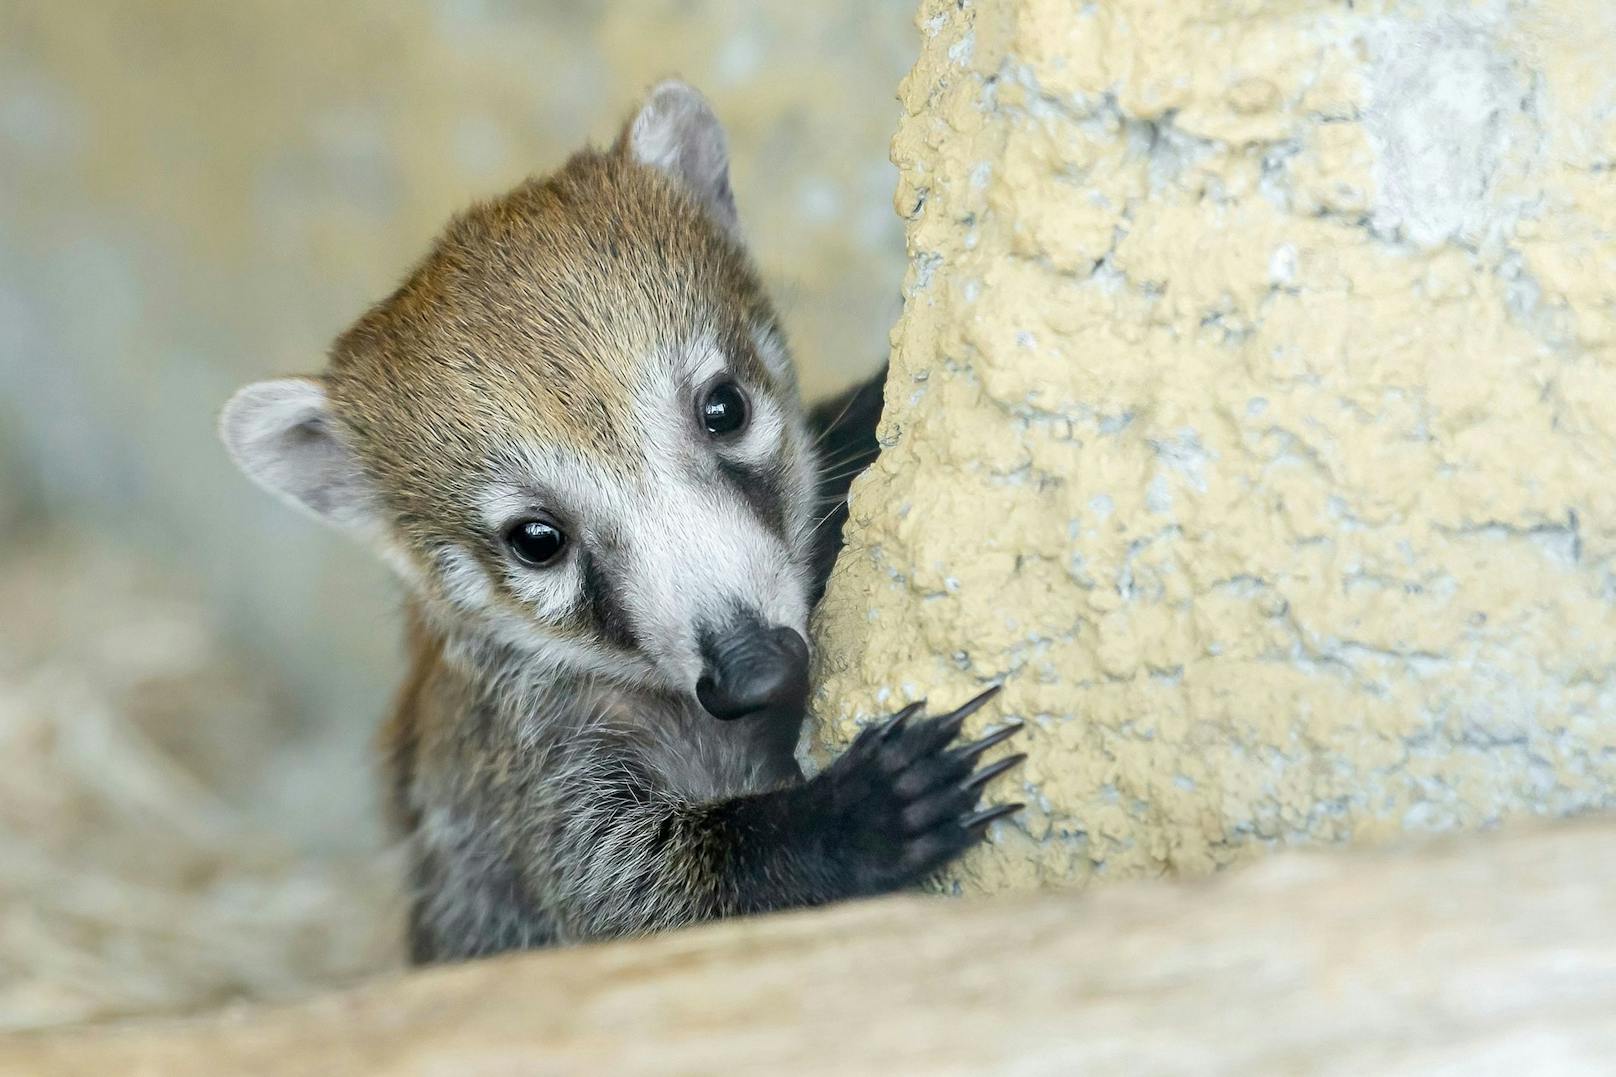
(902, 799)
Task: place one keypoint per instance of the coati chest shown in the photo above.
(461, 731)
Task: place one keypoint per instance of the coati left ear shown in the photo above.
(283, 435)
(676, 131)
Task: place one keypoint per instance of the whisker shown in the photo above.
(853, 451)
(830, 428)
(858, 461)
(807, 533)
(824, 516)
(852, 472)
(852, 398)
(852, 454)
(824, 519)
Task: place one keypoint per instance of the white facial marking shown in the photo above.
(698, 559)
(463, 580)
(703, 360)
(678, 545)
(704, 363)
(773, 352)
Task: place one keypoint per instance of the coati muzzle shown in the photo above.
(751, 668)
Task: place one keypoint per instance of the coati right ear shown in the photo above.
(283, 436)
(676, 131)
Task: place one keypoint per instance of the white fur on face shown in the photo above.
(699, 558)
(677, 545)
(462, 583)
(703, 365)
(465, 585)
(772, 349)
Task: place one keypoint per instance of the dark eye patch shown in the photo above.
(605, 607)
(763, 490)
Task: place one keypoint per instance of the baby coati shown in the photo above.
(575, 433)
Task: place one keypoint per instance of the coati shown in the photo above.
(575, 432)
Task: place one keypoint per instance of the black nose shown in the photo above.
(751, 668)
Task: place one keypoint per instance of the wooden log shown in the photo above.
(1477, 955)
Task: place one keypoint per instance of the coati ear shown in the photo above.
(282, 435)
(676, 131)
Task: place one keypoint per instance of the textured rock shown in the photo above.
(1484, 956)
(1252, 414)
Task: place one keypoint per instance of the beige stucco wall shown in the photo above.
(1253, 412)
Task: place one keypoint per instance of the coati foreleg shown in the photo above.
(895, 807)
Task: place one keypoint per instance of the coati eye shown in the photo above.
(724, 410)
(536, 542)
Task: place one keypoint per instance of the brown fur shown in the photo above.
(533, 314)
(606, 261)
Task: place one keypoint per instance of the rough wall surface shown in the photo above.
(1253, 413)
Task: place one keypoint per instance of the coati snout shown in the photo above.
(753, 669)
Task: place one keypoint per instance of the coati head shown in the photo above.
(575, 429)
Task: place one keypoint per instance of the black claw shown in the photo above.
(896, 722)
(980, 821)
(945, 728)
(987, 774)
(972, 751)
(971, 706)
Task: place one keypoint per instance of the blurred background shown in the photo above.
(194, 195)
